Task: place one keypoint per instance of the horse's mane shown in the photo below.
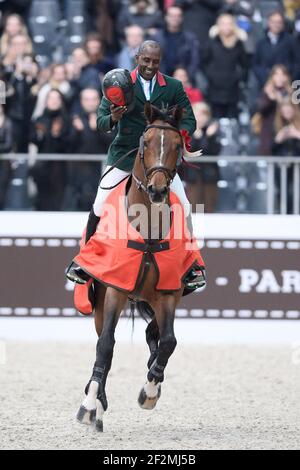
(170, 114)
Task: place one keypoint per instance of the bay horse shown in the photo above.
(155, 166)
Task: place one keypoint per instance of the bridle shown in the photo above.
(149, 172)
(169, 174)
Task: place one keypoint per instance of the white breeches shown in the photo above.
(116, 175)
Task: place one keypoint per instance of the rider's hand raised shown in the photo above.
(117, 112)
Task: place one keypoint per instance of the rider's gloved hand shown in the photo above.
(117, 112)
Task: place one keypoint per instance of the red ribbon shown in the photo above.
(187, 142)
(186, 139)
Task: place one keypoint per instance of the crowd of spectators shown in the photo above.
(234, 57)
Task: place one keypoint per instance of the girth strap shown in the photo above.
(148, 247)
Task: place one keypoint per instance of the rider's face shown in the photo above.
(148, 62)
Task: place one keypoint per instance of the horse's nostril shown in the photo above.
(157, 194)
(150, 189)
(159, 191)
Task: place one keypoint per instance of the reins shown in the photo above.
(115, 166)
(147, 171)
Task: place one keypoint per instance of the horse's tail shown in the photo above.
(145, 310)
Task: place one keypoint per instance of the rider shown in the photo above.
(149, 85)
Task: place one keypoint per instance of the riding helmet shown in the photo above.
(117, 87)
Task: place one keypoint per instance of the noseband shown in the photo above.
(149, 172)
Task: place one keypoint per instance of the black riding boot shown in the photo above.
(77, 274)
(196, 277)
(92, 223)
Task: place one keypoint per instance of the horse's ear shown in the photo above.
(177, 114)
(149, 112)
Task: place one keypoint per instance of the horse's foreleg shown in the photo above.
(151, 391)
(113, 304)
(87, 411)
(95, 390)
(100, 291)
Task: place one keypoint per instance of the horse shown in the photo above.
(155, 166)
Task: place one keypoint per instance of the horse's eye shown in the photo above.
(145, 144)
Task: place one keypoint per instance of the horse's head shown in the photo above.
(160, 151)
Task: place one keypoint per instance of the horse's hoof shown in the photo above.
(85, 416)
(99, 425)
(148, 403)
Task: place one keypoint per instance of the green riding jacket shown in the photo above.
(167, 91)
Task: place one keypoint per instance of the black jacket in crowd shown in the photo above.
(288, 148)
(297, 58)
(50, 176)
(267, 55)
(6, 140)
(6, 136)
(21, 103)
(225, 68)
(42, 135)
(88, 141)
(186, 54)
(211, 146)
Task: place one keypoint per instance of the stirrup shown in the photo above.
(196, 283)
(195, 279)
(77, 275)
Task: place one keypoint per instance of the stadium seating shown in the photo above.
(242, 187)
(44, 16)
(76, 25)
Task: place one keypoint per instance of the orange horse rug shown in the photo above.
(116, 254)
